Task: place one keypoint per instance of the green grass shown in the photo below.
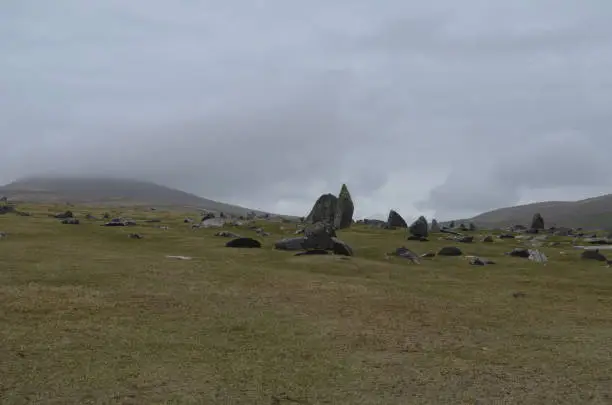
(89, 316)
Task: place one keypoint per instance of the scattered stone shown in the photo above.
(243, 243)
(488, 239)
(226, 234)
(120, 222)
(3, 235)
(593, 255)
(153, 220)
(450, 251)
(63, 215)
(212, 222)
(70, 221)
(312, 252)
(135, 236)
(419, 227)
(537, 256)
(344, 209)
(91, 217)
(428, 255)
(23, 214)
(324, 210)
(506, 236)
(406, 253)
(394, 220)
(465, 239)
(519, 294)
(187, 220)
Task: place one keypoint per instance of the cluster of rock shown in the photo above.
(332, 210)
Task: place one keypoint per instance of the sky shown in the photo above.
(445, 108)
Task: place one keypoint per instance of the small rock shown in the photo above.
(488, 239)
(135, 236)
(243, 243)
(70, 221)
(450, 251)
(226, 234)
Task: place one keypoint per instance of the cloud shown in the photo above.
(445, 108)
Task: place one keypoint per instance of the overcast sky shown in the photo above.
(446, 108)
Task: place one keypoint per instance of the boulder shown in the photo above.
(63, 215)
(435, 227)
(226, 234)
(345, 208)
(396, 220)
(319, 236)
(290, 244)
(593, 255)
(488, 239)
(312, 252)
(243, 243)
(537, 222)
(419, 227)
(450, 251)
(519, 252)
(70, 221)
(465, 239)
(406, 253)
(212, 222)
(324, 210)
(341, 248)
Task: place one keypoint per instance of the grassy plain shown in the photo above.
(89, 316)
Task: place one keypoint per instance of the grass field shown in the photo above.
(89, 316)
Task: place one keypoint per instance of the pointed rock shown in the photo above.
(396, 220)
(344, 209)
(419, 227)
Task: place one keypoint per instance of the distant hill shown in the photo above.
(593, 213)
(109, 191)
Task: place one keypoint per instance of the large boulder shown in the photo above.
(593, 255)
(344, 209)
(450, 251)
(341, 248)
(419, 227)
(243, 243)
(537, 222)
(435, 227)
(324, 210)
(396, 220)
(319, 236)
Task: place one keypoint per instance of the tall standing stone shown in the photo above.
(419, 227)
(396, 220)
(435, 227)
(344, 209)
(324, 210)
(537, 222)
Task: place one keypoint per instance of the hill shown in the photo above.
(595, 213)
(109, 191)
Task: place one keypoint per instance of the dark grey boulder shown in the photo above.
(290, 244)
(519, 252)
(70, 221)
(419, 227)
(395, 220)
(537, 222)
(319, 236)
(593, 255)
(417, 238)
(324, 210)
(450, 251)
(341, 248)
(243, 243)
(343, 217)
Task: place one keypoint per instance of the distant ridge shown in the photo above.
(593, 213)
(109, 191)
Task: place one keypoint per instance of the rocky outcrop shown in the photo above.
(395, 220)
(345, 208)
(324, 210)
